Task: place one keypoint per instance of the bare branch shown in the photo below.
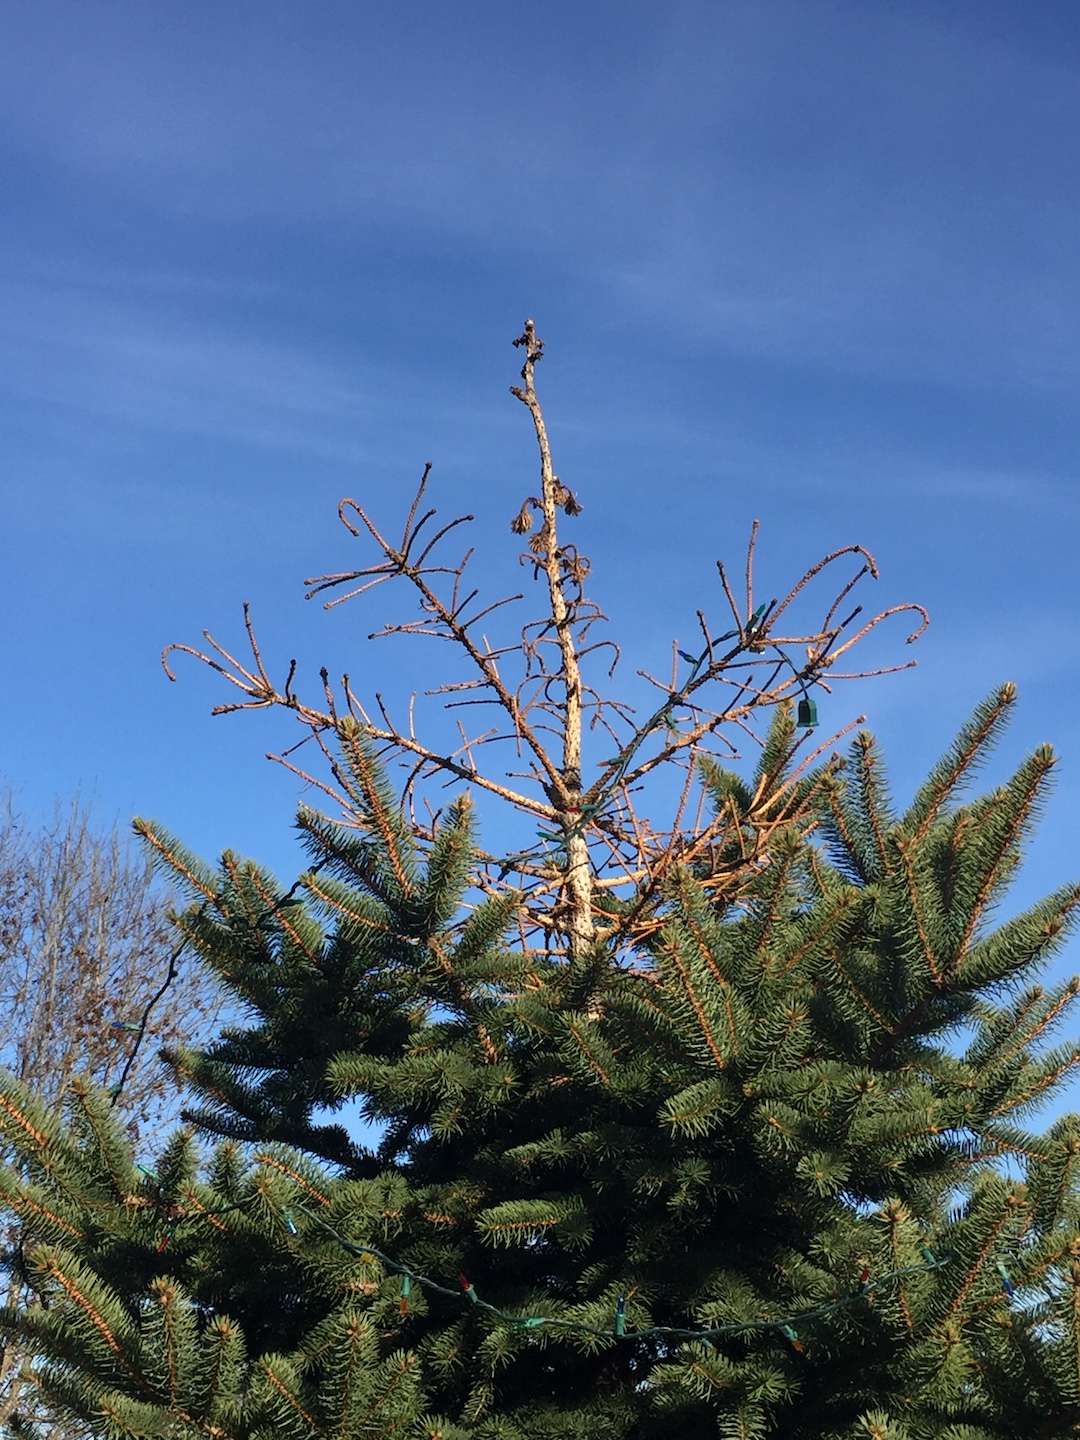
(597, 835)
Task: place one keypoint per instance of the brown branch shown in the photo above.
(597, 830)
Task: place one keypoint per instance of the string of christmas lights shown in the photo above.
(786, 1325)
(806, 718)
(662, 716)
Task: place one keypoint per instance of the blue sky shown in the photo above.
(805, 261)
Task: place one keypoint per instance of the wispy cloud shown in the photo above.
(152, 369)
(900, 202)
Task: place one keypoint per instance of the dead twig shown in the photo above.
(594, 836)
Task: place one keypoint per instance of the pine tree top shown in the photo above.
(722, 1125)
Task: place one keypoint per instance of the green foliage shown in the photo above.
(787, 1132)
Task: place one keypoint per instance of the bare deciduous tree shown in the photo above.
(85, 944)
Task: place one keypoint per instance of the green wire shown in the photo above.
(661, 716)
(785, 1325)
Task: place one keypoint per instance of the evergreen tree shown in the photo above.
(710, 1159)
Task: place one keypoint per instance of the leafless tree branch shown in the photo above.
(592, 828)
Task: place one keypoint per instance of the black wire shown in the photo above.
(140, 1030)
